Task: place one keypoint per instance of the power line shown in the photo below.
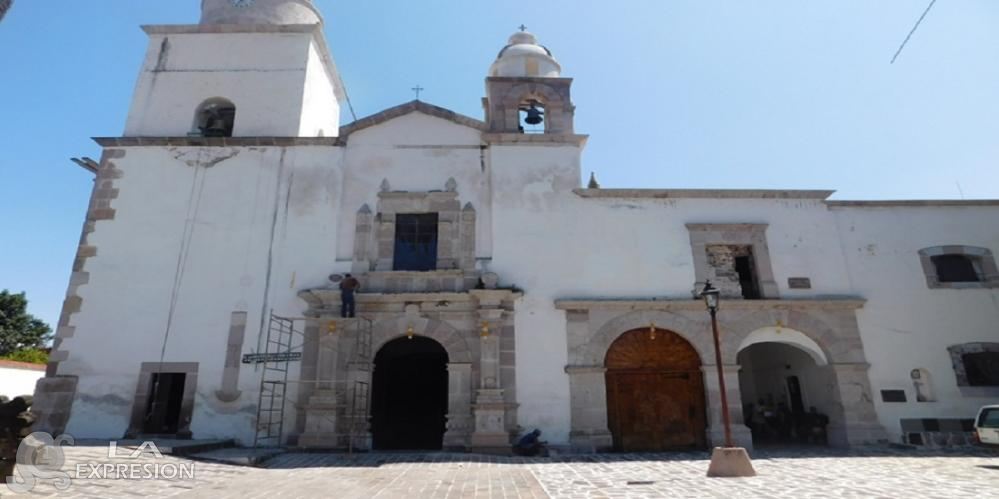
(914, 28)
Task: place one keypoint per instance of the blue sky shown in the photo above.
(692, 93)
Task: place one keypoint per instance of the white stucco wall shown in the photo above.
(17, 381)
(196, 243)
(320, 108)
(268, 76)
(905, 325)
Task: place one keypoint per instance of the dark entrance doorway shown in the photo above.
(787, 396)
(163, 411)
(655, 392)
(415, 242)
(409, 395)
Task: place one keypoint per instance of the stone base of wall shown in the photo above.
(856, 434)
(53, 403)
(938, 432)
(589, 442)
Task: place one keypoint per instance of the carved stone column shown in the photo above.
(459, 412)
(490, 406)
(857, 423)
(588, 405)
(741, 435)
(321, 408)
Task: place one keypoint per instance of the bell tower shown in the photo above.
(525, 91)
(250, 68)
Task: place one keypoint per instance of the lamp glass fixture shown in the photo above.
(710, 294)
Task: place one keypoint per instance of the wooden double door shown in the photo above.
(655, 393)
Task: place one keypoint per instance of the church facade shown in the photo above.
(498, 294)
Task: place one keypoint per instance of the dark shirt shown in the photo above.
(349, 286)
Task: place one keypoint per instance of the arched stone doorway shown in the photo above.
(409, 399)
(655, 392)
(788, 392)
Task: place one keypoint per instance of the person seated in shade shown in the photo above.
(817, 423)
(531, 445)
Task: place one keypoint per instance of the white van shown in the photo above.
(987, 425)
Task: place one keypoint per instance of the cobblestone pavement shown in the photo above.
(782, 474)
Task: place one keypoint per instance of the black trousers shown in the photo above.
(347, 305)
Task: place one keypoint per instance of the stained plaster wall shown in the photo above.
(198, 233)
(905, 325)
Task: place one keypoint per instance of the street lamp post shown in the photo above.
(711, 295)
(728, 461)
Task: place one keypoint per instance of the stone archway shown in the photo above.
(832, 331)
(655, 393)
(784, 376)
(786, 336)
(457, 348)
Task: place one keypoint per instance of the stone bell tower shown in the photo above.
(525, 84)
(250, 68)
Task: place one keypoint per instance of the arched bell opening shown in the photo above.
(655, 392)
(409, 400)
(788, 393)
(216, 117)
(532, 116)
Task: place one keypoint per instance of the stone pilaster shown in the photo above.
(858, 424)
(588, 406)
(363, 240)
(490, 406)
(741, 435)
(321, 408)
(357, 426)
(459, 407)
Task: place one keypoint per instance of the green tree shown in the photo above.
(19, 329)
(29, 355)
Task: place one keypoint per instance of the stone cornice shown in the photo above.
(331, 296)
(703, 193)
(184, 29)
(218, 141)
(914, 203)
(847, 302)
(527, 139)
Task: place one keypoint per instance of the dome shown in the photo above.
(252, 12)
(524, 56)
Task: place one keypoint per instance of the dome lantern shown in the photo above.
(523, 56)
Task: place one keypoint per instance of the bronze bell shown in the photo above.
(534, 116)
